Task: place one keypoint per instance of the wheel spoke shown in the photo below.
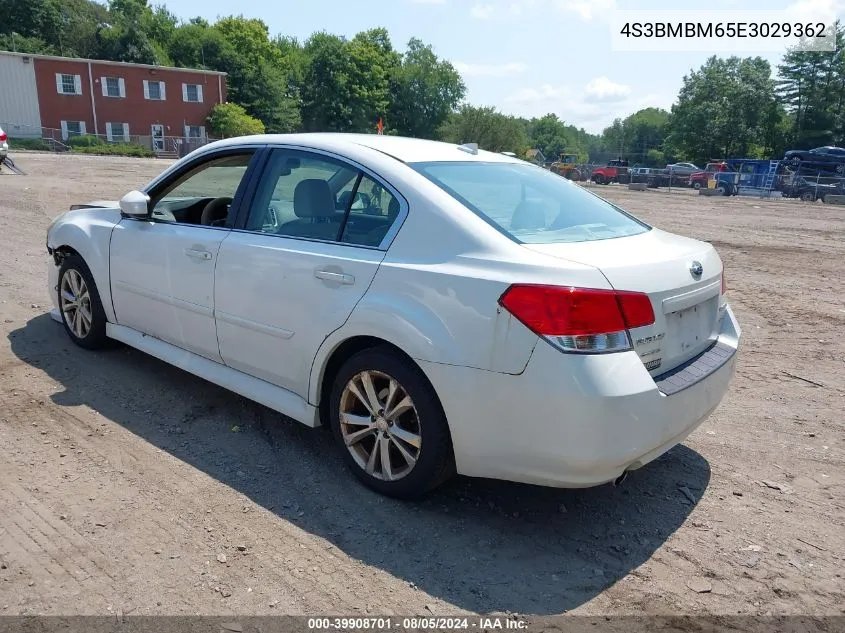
(86, 317)
(405, 404)
(406, 436)
(353, 389)
(77, 318)
(68, 296)
(384, 449)
(73, 277)
(409, 459)
(357, 436)
(371, 462)
(355, 420)
(367, 381)
(392, 390)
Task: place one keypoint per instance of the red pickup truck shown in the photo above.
(698, 179)
(615, 171)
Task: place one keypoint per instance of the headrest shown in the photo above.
(312, 198)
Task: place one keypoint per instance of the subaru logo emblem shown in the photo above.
(696, 269)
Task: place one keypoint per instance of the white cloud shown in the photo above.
(482, 11)
(490, 70)
(602, 89)
(587, 10)
(581, 107)
(546, 92)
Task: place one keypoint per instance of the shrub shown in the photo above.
(116, 149)
(36, 144)
(84, 140)
(230, 119)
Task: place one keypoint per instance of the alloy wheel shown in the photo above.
(380, 425)
(76, 303)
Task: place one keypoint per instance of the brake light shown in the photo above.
(3, 137)
(579, 319)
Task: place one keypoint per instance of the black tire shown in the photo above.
(696, 185)
(599, 179)
(808, 196)
(95, 338)
(435, 461)
(723, 190)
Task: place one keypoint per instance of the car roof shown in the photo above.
(407, 150)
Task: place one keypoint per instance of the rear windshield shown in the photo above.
(530, 204)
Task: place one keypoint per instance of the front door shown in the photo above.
(162, 267)
(157, 131)
(312, 243)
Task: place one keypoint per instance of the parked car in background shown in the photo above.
(810, 190)
(4, 145)
(682, 169)
(441, 308)
(826, 154)
(699, 179)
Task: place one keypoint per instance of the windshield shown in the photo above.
(530, 204)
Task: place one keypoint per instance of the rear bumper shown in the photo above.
(577, 421)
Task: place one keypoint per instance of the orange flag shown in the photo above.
(380, 126)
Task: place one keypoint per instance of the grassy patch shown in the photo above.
(36, 144)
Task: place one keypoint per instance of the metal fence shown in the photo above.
(57, 140)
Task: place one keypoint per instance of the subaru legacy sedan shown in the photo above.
(442, 309)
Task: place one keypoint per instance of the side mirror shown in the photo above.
(135, 204)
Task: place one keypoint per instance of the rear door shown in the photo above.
(307, 251)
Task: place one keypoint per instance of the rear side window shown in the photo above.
(531, 204)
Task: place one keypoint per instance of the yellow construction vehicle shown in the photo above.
(567, 167)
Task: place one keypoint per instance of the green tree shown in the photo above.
(724, 109)
(230, 119)
(811, 87)
(424, 91)
(492, 130)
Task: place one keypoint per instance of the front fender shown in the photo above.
(89, 236)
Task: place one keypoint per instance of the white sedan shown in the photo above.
(442, 309)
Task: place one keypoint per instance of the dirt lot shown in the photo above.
(127, 486)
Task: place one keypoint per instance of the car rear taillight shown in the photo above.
(579, 319)
(3, 137)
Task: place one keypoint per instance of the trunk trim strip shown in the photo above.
(695, 370)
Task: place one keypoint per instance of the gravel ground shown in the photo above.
(128, 486)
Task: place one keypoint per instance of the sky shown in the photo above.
(525, 57)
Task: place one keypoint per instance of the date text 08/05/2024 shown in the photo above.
(484, 623)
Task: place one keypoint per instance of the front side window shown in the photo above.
(529, 204)
(204, 194)
(311, 196)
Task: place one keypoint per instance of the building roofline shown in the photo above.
(111, 63)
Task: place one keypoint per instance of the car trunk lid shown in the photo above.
(662, 265)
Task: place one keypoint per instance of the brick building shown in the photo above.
(42, 96)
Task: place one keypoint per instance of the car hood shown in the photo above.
(97, 204)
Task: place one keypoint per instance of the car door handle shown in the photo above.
(195, 253)
(327, 275)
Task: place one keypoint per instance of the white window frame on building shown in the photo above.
(190, 128)
(79, 131)
(161, 85)
(186, 93)
(117, 132)
(117, 83)
(62, 84)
